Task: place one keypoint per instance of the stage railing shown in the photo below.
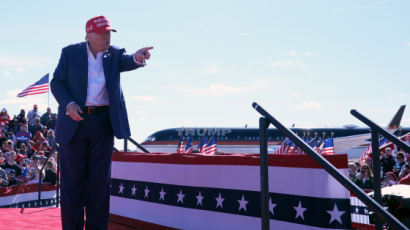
(333, 171)
(375, 131)
(55, 147)
(135, 143)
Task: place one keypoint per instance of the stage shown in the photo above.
(39, 219)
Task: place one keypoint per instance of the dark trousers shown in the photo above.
(86, 173)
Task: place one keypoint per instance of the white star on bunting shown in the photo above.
(180, 197)
(121, 189)
(219, 201)
(162, 194)
(335, 214)
(242, 203)
(199, 199)
(300, 210)
(271, 206)
(133, 190)
(146, 191)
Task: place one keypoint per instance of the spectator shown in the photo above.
(20, 160)
(26, 167)
(51, 124)
(44, 131)
(21, 117)
(32, 115)
(387, 161)
(22, 135)
(364, 179)
(4, 181)
(400, 162)
(23, 149)
(34, 171)
(35, 127)
(14, 125)
(11, 163)
(50, 174)
(46, 117)
(9, 146)
(51, 138)
(405, 180)
(352, 171)
(389, 179)
(2, 160)
(45, 148)
(38, 139)
(4, 116)
(405, 170)
(3, 131)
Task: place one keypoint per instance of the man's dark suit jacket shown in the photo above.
(70, 84)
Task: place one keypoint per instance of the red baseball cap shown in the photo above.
(99, 25)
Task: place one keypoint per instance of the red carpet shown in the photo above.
(38, 218)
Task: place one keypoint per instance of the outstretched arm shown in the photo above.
(131, 62)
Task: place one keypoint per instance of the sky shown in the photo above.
(306, 62)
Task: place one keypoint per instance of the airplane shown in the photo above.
(349, 139)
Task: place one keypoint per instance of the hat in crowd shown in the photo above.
(3, 110)
(42, 157)
(99, 25)
(20, 156)
(45, 143)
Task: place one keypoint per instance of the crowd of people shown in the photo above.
(25, 144)
(394, 170)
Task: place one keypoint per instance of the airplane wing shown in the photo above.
(343, 144)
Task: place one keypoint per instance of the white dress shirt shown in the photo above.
(97, 94)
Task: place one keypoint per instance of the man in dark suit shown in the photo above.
(86, 85)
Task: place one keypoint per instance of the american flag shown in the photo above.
(290, 148)
(202, 144)
(287, 146)
(328, 147)
(189, 147)
(180, 146)
(39, 87)
(368, 152)
(313, 144)
(320, 145)
(211, 147)
(300, 151)
(282, 147)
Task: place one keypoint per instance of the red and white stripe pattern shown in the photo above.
(39, 87)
